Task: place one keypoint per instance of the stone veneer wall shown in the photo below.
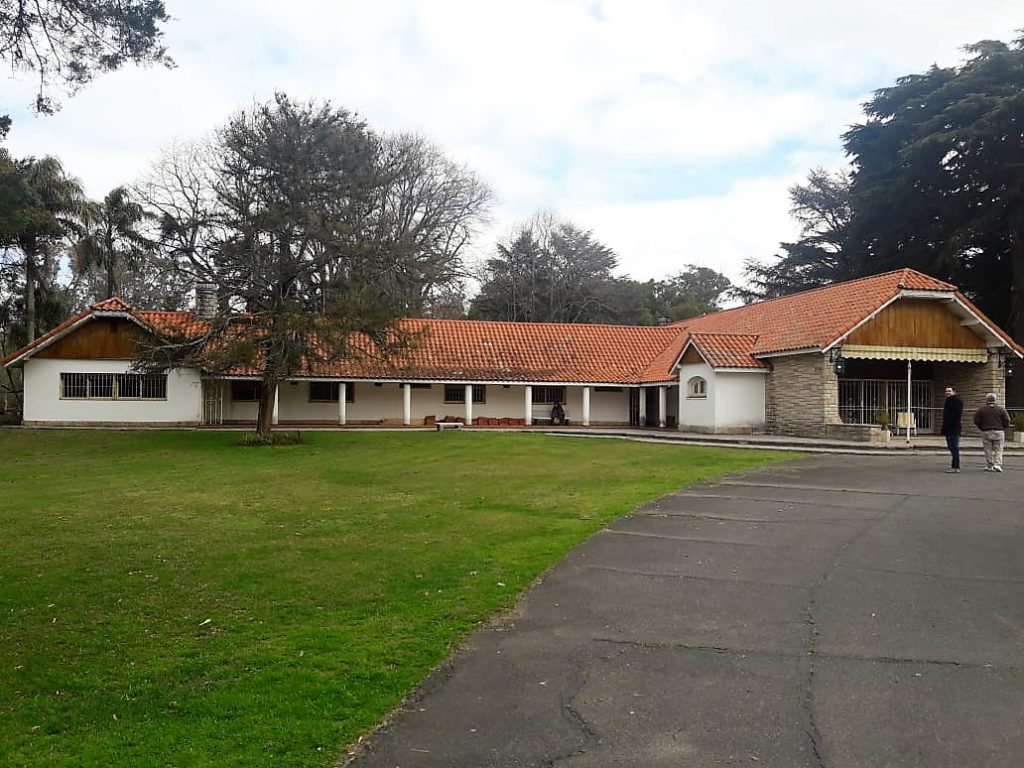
(801, 396)
(972, 382)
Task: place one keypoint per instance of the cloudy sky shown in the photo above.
(672, 129)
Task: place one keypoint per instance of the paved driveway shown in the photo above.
(838, 611)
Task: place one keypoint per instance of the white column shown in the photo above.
(342, 403)
(586, 406)
(528, 404)
(910, 405)
(277, 401)
(680, 394)
(407, 404)
(662, 405)
(469, 405)
(643, 406)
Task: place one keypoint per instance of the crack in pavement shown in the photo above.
(754, 498)
(720, 542)
(573, 716)
(814, 732)
(866, 491)
(791, 656)
(685, 576)
(738, 519)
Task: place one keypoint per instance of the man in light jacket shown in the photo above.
(993, 421)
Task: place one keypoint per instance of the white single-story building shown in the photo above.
(826, 362)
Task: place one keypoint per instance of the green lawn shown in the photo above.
(174, 599)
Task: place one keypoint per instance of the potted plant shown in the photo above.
(1018, 426)
(883, 420)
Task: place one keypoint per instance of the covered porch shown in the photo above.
(328, 402)
(903, 387)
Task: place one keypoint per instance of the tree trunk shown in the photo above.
(265, 417)
(30, 296)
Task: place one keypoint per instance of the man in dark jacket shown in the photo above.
(952, 414)
(992, 419)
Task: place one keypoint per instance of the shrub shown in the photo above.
(274, 438)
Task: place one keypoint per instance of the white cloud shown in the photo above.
(611, 112)
(655, 239)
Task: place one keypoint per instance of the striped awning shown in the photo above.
(938, 354)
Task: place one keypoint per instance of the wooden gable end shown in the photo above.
(102, 338)
(916, 323)
(692, 355)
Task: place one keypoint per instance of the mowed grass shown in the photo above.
(173, 599)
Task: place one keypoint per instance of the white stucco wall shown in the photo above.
(739, 399)
(384, 403)
(43, 402)
(697, 412)
(605, 407)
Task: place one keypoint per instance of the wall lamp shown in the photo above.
(1005, 361)
(836, 359)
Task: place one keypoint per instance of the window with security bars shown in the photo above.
(456, 393)
(863, 401)
(329, 392)
(113, 386)
(548, 395)
(140, 386)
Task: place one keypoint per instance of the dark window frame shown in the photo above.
(456, 393)
(335, 391)
(548, 395)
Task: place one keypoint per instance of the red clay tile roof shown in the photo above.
(813, 319)
(161, 323)
(727, 350)
(476, 350)
(113, 304)
(167, 323)
(660, 368)
(470, 350)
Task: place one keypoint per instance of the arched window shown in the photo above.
(697, 387)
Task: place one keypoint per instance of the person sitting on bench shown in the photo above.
(557, 415)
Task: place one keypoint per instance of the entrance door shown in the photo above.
(213, 403)
(652, 407)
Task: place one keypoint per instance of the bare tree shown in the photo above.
(322, 232)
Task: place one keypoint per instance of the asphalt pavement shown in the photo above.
(837, 611)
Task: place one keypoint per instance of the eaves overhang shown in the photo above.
(58, 333)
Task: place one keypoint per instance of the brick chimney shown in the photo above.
(206, 300)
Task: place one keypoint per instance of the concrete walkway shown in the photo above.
(918, 444)
(839, 611)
